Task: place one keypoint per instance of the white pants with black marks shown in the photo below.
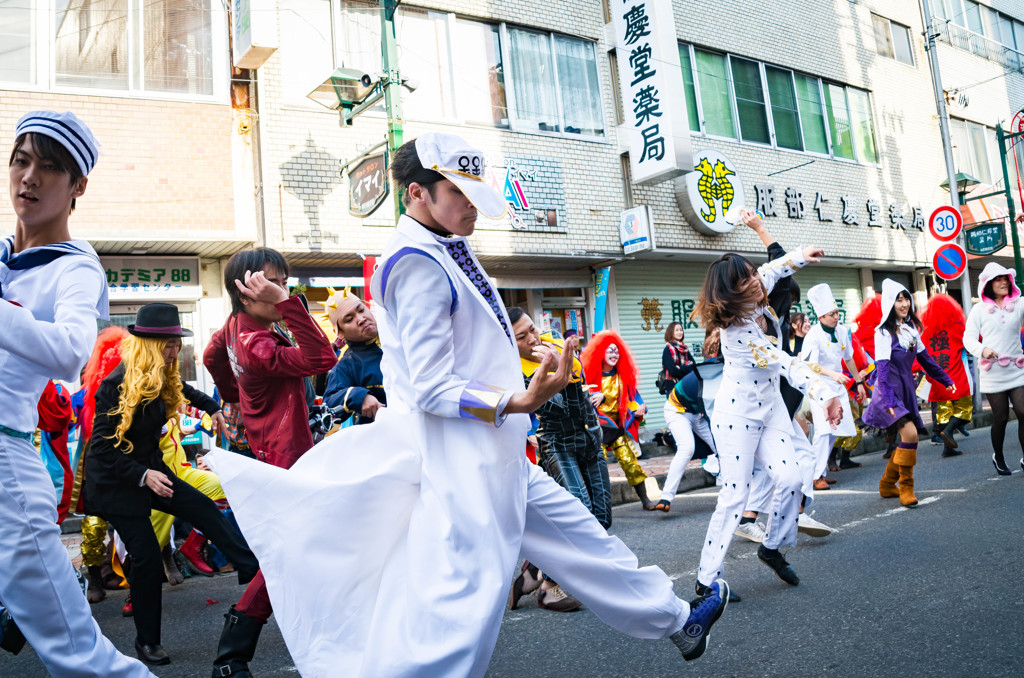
(741, 441)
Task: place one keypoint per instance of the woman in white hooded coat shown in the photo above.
(992, 335)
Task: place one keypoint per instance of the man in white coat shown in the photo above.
(53, 290)
(830, 345)
(415, 579)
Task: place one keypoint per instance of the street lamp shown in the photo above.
(964, 183)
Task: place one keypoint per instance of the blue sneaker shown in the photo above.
(692, 639)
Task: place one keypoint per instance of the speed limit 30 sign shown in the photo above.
(945, 223)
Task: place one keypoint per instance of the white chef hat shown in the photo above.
(821, 299)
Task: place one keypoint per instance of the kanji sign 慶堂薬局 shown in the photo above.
(651, 84)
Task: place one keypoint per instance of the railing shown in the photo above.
(957, 36)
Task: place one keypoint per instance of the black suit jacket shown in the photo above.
(112, 476)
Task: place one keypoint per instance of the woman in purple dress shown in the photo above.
(894, 402)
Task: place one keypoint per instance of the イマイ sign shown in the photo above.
(368, 185)
(707, 193)
(945, 223)
(949, 261)
(635, 230)
(652, 90)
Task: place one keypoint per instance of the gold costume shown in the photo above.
(624, 447)
(850, 443)
(961, 408)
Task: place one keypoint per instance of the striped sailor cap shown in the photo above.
(68, 130)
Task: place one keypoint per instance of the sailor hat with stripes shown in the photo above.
(68, 130)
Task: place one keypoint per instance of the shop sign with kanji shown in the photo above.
(651, 86)
(984, 239)
(157, 277)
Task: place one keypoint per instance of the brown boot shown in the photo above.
(641, 491)
(887, 485)
(96, 592)
(173, 574)
(905, 457)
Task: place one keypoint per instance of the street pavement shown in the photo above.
(930, 591)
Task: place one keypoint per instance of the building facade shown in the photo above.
(152, 80)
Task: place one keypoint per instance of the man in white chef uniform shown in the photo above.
(830, 345)
(414, 577)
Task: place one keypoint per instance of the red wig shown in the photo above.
(868, 318)
(941, 312)
(106, 355)
(592, 359)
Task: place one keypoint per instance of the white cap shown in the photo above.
(463, 165)
(821, 299)
(68, 130)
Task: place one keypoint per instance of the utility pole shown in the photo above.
(392, 88)
(947, 151)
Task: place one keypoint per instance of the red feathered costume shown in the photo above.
(106, 355)
(868, 318)
(592, 359)
(943, 336)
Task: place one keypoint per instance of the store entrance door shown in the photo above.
(123, 315)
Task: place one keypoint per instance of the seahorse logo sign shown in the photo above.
(707, 193)
(714, 187)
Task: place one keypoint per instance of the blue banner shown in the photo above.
(602, 276)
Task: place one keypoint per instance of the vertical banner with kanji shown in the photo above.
(651, 85)
(601, 278)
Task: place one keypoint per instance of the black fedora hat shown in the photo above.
(158, 321)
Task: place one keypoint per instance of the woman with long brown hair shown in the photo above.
(126, 476)
(750, 420)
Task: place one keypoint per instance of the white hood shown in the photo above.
(994, 270)
(890, 290)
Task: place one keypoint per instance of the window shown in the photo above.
(776, 106)
(975, 151)
(893, 40)
(862, 125)
(554, 80)
(839, 122)
(577, 80)
(423, 56)
(305, 40)
(17, 61)
(785, 114)
(480, 81)
(750, 104)
(812, 119)
(533, 79)
(686, 65)
(138, 47)
(977, 28)
(715, 97)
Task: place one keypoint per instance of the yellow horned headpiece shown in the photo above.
(328, 319)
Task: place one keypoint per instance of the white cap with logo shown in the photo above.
(463, 165)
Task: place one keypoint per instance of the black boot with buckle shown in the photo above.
(237, 645)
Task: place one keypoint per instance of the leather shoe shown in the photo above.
(152, 654)
(527, 582)
(821, 484)
(557, 600)
(830, 481)
(775, 560)
(11, 638)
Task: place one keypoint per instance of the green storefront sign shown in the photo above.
(986, 238)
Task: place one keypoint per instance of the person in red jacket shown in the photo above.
(943, 334)
(256, 364)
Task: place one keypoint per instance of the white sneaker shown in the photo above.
(812, 527)
(751, 531)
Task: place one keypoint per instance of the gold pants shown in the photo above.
(625, 449)
(961, 408)
(850, 443)
(94, 531)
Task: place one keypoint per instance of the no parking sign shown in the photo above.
(949, 261)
